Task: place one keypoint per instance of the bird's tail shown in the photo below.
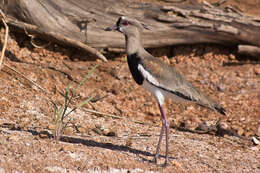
(214, 106)
(220, 109)
(207, 102)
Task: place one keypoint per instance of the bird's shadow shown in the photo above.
(92, 143)
(110, 146)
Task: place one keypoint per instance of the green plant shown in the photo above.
(61, 113)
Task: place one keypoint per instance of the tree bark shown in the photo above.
(83, 22)
(249, 50)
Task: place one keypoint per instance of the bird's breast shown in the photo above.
(133, 62)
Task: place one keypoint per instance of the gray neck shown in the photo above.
(133, 44)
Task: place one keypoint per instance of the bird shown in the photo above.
(161, 79)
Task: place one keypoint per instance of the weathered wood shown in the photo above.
(249, 50)
(84, 22)
(24, 27)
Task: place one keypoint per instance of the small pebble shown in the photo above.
(257, 71)
(240, 131)
(128, 142)
(68, 131)
(82, 130)
(13, 138)
(67, 148)
(223, 125)
(176, 164)
(203, 126)
(108, 132)
(51, 127)
(255, 148)
(255, 140)
(97, 131)
(43, 135)
(2, 170)
(111, 133)
(232, 57)
(247, 134)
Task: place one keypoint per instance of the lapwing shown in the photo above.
(162, 80)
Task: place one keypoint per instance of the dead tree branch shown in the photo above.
(6, 38)
(64, 21)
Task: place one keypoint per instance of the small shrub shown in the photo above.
(62, 113)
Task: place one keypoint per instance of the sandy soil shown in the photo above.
(126, 141)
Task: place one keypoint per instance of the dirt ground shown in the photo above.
(124, 137)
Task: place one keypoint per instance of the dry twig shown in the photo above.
(6, 38)
(54, 36)
(3, 53)
(38, 86)
(33, 40)
(110, 115)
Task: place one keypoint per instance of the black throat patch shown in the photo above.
(118, 21)
(133, 61)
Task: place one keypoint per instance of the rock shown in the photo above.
(55, 169)
(108, 132)
(176, 164)
(68, 131)
(97, 131)
(111, 133)
(10, 126)
(255, 141)
(222, 129)
(257, 71)
(13, 138)
(232, 57)
(51, 127)
(255, 148)
(223, 125)
(203, 126)
(258, 131)
(240, 131)
(105, 132)
(214, 78)
(82, 130)
(151, 110)
(128, 142)
(247, 134)
(242, 119)
(44, 134)
(24, 123)
(67, 148)
(2, 170)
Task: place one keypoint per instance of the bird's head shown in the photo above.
(127, 26)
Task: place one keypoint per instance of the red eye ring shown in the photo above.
(125, 23)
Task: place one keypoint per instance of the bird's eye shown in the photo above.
(125, 23)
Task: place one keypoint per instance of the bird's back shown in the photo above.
(171, 81)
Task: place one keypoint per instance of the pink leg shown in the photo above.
(165, 125)
(158, 145)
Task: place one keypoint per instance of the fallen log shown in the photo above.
(249, 50)
(24, 27)
(81, 23)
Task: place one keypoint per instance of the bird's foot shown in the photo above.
(155, 159)
(165, 163)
